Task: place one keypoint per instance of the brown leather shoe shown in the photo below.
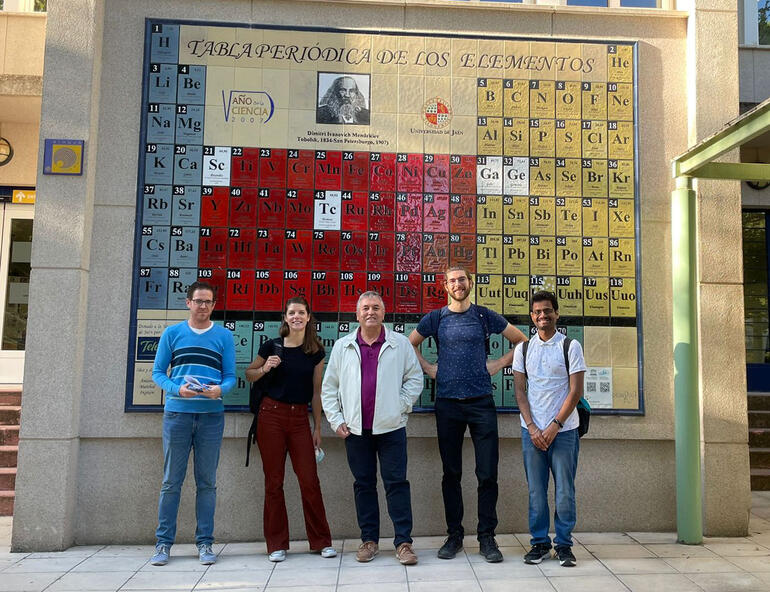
(367, 551)
(406, 555)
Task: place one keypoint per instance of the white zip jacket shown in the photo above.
(399, 384)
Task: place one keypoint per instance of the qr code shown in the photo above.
(604, 387)
(591, 387)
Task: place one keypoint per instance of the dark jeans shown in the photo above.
(480, 416)
(363, 452)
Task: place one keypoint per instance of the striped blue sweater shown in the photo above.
(209, 357)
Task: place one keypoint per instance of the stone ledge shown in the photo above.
(21, 85)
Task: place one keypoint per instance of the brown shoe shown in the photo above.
(406, 555)
(367, 551)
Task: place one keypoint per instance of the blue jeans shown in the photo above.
(561, 459)
(363, 452)
(201, 432)
(478, 415)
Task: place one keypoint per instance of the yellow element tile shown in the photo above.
(491, 58)
(623, 297)
(411, 94)
(621, 178)
(542, 282)
(274, 133)
(516, 214)
(620, 140)
(174, 316)
(412, 47)
(464, 57)
(570, 61)
(625, 388)
(623, 347)
(489, 251)
(463, 135)
(569, 291)
(489, 214)
(595, 257)
(218, 79)
(384, 132)
(596, 346)
(383, 97)
(594, 100)
(542, 137)
(489, 291)
(516, 98)
(438, 56)
(190, 51)
(410, 139)
(541, 176)
(463, 99)
(594, 139)
(385, 54)
(542, 255)
(569, 177)
(515, 136)
(620, 63)
(221, 35)
(357, 48)
(621, 218)
(490, 135)
(516, 55)
(568, 100)
(542, 215)
(515, 254)
(620, 101)
(569, 256)
(594, 62)
(569, 216)
(596, 297)
(542, 98)
(515, 294)
(622, 257)
(544, 53)
(218, 132)
(490, 97)
(303, 121)
(303, 93)
(150, 314)
(568, 138)
(145, 390)
(594, 177)
(594, 217)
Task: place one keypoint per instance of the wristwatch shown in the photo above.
(557, 422)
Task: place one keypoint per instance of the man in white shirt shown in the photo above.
(547, 394)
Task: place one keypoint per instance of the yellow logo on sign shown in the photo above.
(66, 159)
(23, 197)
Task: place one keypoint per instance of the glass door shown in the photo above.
(755, 299)
(15, 251)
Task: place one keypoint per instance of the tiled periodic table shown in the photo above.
(278, 162)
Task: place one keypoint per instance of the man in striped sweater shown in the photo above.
(195, 350)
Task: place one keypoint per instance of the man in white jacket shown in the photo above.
(372, 380)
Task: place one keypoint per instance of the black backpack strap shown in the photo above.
(483, 314)
(567, 342)
(251, 438)
(524, 347)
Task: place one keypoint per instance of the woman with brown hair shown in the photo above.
(293, 367)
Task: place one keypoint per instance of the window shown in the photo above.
(763, 14)
(755, 288)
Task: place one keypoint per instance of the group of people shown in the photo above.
(373, 377)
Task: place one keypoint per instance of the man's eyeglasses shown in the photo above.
(545, 311)
(199, 302)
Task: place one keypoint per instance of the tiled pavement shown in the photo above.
(607, 562)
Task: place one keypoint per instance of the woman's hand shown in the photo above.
(317, 438)
(270, 363)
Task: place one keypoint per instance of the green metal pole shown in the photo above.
(689, 496)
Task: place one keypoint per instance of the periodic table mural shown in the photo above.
(277, 162)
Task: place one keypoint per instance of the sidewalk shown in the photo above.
(607, 562)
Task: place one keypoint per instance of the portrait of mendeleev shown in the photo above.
(343, 98)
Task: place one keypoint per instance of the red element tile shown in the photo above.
(435, 212)
(212, 247)
(300, 169)
(435, 252)
(240, 289)
(433, 294)
(271, 208)
(299, 208)
(409, 212)
(436, 175)
(462, 213)
(353, 245)
(325, 287)
(243, 207)
(355, 171)
(462, 251)
(352, 285)
(216, 277)
(463, 174)
(326, 249)
(381, 250)
(244, 167)
(215, 205)
(354, 207)
(409, 171)
(241, 248)
(296, 283)
(298, 249)
(382, 283)
(269, 248)
(409, 251)
(272, 167)
(328, 170)
(382, 210)
(408, 287)
(268, 290)
(382, 171)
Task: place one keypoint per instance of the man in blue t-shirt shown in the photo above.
(201, 357)
(464, 399)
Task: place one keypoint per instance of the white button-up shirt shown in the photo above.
(548, 383)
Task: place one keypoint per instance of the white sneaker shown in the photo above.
(277, 556)
(328, 552)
